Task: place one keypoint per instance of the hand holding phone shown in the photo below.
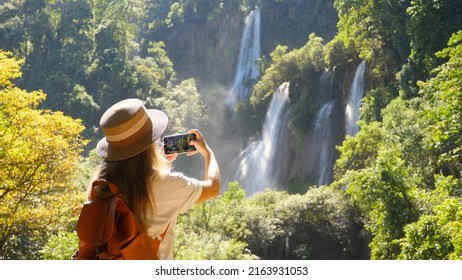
(178, 143)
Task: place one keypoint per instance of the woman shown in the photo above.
(134, 162)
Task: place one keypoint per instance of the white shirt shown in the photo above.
(172, 196)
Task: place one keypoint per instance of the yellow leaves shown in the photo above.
(9, 69)
(32, 135)
(16, 99)
(39, 152)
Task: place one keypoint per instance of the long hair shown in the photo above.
(136, 177)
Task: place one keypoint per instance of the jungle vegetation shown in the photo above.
(396, 192)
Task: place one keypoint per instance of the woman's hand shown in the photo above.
(199, 144)
(171, 157)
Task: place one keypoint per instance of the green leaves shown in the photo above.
(443, 109)
(404, 172)
(184, 106)
(270, 225)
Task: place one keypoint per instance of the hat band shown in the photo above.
(130, 131)
(143, 134)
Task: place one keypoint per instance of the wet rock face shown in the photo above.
(207, 49)
(291, 22)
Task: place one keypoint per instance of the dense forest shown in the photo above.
(395, 189)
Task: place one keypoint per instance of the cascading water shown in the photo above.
(352, 111)
(249, 52)
(322, 158)
(254, 166)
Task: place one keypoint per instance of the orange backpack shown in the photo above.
(107, 229)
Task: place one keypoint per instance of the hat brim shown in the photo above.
(159, 123)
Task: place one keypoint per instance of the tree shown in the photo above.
(152, 22)
(404, 129)
(11, 27)
(57, 44)
(190, 10)
(443, 107)
(215, 229)
(154, 72)
(118, 17)
(359, 152)
(39, 150)
(384, 194)
(375, 29)
(183, 105)
(320, 224)
(431, 24)
(437, 234)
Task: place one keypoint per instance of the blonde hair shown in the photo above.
(136, 177)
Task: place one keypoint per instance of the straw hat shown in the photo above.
(130, 129)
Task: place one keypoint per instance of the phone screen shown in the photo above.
(178, 143)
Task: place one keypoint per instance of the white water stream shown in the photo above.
(323, 148)
(352, 110)
(254, 167)
(249, 52)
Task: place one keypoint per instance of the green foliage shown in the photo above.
(117, 18)
(405, 130)
(399, 36)
(426, 240)
(319, 219)
(375, 29)
(297, 185)
(294, 67)
(337, 53)
(407, 181)
(401, 171)
(429, 30)
(11, 20)
(269, 225)
(153, 73)
(381, 168)
(60, 246)
(383, 192)
(207, 245)
(163, 64)
(190, 10)
(360, 151)
(437, 234)
(81, 104)
(214, 230)
(443, 95)
(373, 103)
(183, 105)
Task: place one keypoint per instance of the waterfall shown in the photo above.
(322, 158)
(352, 111)
(326, 83)
(249, 52)
(254, 166)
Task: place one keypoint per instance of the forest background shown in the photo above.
(396, 191)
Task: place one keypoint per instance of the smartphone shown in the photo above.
(178, 143)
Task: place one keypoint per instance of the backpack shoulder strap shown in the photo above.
(157, 240)
(163, 234)
(96, 220)
(97, 184)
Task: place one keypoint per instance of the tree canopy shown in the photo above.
(39, 153)
(396, 190)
